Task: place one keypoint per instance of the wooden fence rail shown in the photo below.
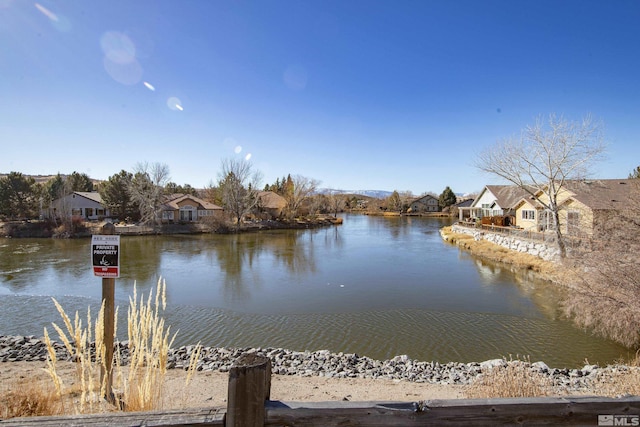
(248, 405)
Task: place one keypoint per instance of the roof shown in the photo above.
(464, 203)
(605, 194)
(173, 202)
(91, 195)
(424, 197)
(271, 200)
(507, 196)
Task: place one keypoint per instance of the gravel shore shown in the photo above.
(327, 364)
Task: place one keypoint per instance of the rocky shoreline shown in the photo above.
(323, 363)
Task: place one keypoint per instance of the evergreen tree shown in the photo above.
(447, 198)
(116, 197)
(18, 196)
(80, 182)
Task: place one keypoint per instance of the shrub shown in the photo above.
(516, 378)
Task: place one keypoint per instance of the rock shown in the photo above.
(541, 367)
(493, 363)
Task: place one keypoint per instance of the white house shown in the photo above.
(494, 200)
(79, 204)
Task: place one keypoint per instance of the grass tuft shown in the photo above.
(139, 384)
(29, 399)
(515, 379)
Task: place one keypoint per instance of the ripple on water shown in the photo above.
(383, 334)
(423, 335)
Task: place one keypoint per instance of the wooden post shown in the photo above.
(108, 298)
(249, 388)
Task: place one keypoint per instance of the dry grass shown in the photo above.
(138, 386)
(546, 269)
(29, 399)
(624, 379)
(149, 344)
(515, 379)
(77, 340)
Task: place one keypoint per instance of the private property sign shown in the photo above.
(105, 255)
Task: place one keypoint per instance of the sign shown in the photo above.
(105, 255)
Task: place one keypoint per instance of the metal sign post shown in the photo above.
(105, 255)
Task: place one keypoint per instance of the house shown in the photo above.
(464, 214)
(187, 208)
(79, 204)
(493, 200)
(426, 203)
(583, 206)
(271, 204)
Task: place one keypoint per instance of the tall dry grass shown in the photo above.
(623, 379)
(516, 378)
(149, 344)
(139, 385)
(28, 399)
(77, 340)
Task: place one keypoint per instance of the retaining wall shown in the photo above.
(538, 249)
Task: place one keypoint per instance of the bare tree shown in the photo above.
(544, 158)
(394, 202)
(605, 293)
(239, 186)
(337, 202)
(147, 189)
(301, 189)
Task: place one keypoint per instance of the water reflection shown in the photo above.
(376, 286)
(236, 257)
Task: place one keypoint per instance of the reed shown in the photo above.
(149, 344)
(515, 379)
(139, 385)
(77, 340)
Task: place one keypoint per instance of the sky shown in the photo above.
(357, 94)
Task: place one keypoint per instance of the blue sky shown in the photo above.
(357, 94)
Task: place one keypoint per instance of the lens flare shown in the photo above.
(174, 104)
(59, 22)
(127, 74)
(118, 47)
(46, 12)
(247, 157)
(238, 149)
(149, 86)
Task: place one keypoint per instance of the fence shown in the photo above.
(248, 405)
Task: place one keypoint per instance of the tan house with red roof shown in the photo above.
(187, 208)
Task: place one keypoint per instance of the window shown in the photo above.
(528, 214)
(573, 222)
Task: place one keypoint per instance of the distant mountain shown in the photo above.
(377, 194)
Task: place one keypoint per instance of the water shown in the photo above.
(374, 286)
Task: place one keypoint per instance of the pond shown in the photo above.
(375, 286)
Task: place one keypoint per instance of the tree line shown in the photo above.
(137, 195)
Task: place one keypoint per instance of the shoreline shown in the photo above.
(43, 229)
(327, 365)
